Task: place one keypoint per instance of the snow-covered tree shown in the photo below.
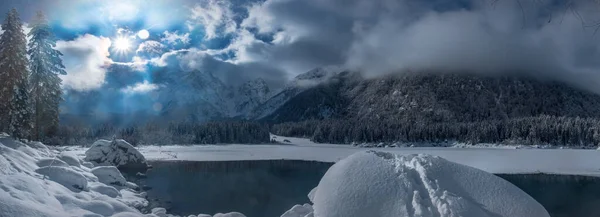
(14, 95)
(45, 66)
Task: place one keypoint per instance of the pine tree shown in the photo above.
(14, 95)
(45, 65)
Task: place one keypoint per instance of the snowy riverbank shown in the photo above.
(493, 160)
(38, 181)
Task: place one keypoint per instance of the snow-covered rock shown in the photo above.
(51, 162)
(87, 164)
(299, 211)
(116, 153)
(311, 194)
(160, 212)
(64, 176)
(109, 175)
(105, 189)
(69, 159)
(385, 185)
(231, 214)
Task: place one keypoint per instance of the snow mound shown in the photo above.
(69, 159)
(385, 185)
(109, 175)
(64, 176)
(116, 153)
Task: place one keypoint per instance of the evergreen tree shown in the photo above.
(14, 95)
(45, 65)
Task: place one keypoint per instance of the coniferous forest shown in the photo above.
(542, 130)
(29, 78)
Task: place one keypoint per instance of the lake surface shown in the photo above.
(267, 188)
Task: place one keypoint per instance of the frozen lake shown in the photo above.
(267, 188)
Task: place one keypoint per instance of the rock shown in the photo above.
(65, 176)
(106, 190)
(159, 211)
(109, 175)
(231, 214)
(298, 211)
(69, 159)
(88, 165)
(116, 153)
(51, 162)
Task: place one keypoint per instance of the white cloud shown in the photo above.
(150, 49)
(174, 38)
(85, 60)
(215, 16)
(142, 87)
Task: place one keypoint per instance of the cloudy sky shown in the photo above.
(117, 44)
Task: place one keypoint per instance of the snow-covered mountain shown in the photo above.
(250, 95)
(300, 83)
(430, 97)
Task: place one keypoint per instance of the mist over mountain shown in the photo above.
(436, 97)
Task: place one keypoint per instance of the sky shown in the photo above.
(241, 40)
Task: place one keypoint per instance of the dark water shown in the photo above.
(268, 188)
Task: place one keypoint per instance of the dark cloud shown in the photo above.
(546, 39)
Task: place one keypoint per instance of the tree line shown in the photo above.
(30, 88)
(539, 130)
(226, 132)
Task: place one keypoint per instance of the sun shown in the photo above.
(143, 34)
(122, 44)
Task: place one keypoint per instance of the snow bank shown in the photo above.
(35, 183)
(116, 153)
(387, 185)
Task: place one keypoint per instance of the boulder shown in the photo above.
(65, 176)
(109, 175)
(116, 153)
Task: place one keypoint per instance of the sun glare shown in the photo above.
(122, 44)
(143, 34)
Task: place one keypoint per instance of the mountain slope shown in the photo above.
(423, 98)
(299, 84)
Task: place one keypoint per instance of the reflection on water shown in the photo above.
(255, 188)
(270, 187)
(561, 195)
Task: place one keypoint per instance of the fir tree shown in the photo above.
(45, 65)
(14, 95)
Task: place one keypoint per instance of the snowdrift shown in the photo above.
(387, 185)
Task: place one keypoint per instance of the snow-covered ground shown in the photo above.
(493, 160)
(37, 181)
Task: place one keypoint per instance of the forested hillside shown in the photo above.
(441, 107)
(224, 132)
